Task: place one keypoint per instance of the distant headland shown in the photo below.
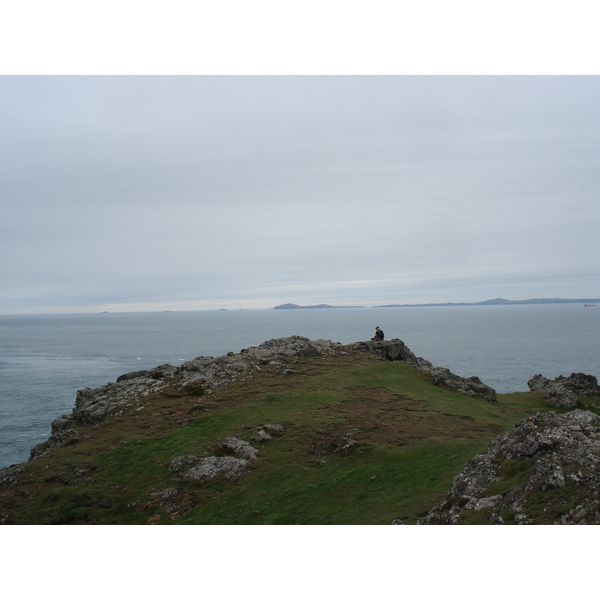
(498, 301)
(493, 302)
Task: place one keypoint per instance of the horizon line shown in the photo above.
(322, 306)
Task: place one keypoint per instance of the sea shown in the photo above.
(45, 359)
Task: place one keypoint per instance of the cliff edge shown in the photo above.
(290, 431)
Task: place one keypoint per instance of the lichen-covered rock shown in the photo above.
(192, 468)
(93, 405)
(327, 347)
(295, 345)
(181, 461)
(9, 474)
(274, 428)
(172, 500)
(557, 458)
(261, 436)
(238, 448)
(565, 392)
(211, 371)
(228, 468)
(392, 350)
(267, 431)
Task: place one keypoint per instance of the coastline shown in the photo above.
(182, 444)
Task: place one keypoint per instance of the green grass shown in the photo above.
(413, 438)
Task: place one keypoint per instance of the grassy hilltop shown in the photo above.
(364, 441)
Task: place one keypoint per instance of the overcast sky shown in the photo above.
(202, 192)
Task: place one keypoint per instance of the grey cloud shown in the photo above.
(138, 190)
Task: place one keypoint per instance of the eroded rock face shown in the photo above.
(565, 392)
(558, 459)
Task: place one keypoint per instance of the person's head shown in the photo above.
(377, 328)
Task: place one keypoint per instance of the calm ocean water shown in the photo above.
(45, 359)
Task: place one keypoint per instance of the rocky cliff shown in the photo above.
(311, 431)
(203, 375)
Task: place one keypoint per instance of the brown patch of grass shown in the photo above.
(388, 419)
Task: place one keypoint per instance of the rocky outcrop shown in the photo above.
(266, 432)
(201, 375)
(565, 392)
(93, 405)
(469, 386)
(204, 374)
(210, 372)
(262, 436)
(192, 468)
(160, 372)
(392, 350)
(274, 428)
(546, 470)
(228, 468)
(239, 448)
(295, 345)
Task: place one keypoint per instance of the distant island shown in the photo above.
(493, 302)
(497, 301)
(296, 306)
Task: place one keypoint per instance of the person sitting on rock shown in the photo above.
(378, 335)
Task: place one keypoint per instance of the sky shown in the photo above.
(204, 192)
